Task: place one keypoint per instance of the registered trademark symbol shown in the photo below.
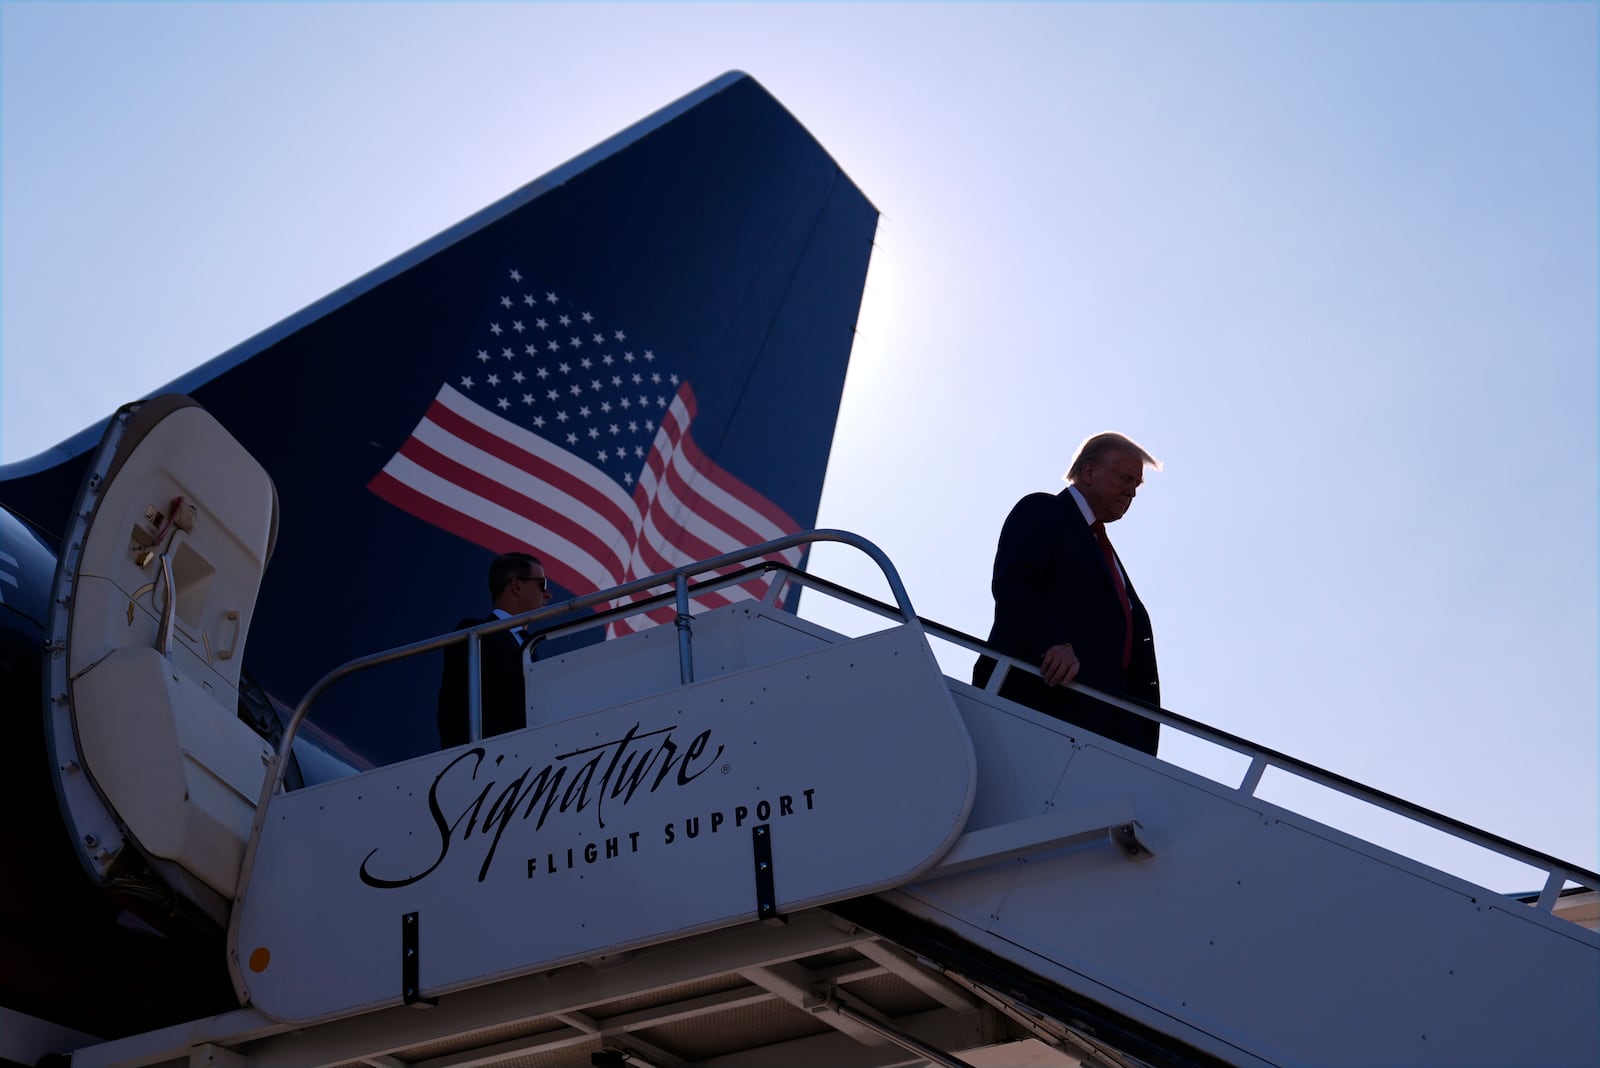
(726, 768)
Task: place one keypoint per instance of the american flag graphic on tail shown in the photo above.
(572, 439)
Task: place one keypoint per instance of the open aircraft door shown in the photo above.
(151, 605)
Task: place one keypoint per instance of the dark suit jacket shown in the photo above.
(1052, 585)
(505, 701)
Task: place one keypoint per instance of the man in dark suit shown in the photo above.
(1063, 601)
(516, 585)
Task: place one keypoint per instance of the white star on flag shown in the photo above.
(480, 467)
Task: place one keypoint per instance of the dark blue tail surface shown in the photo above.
(632, 362)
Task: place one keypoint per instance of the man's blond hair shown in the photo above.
(1095, 448)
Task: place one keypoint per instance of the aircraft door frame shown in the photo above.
(150, 609)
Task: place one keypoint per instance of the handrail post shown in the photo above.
(1252, 777)
(997, 678)
(474, 689)
(1554, 881)
(774, 588)
(683, 623)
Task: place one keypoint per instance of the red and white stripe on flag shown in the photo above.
(691, 509)
(484, 478)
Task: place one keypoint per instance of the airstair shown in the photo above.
(745, 839)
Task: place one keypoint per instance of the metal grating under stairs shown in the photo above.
(813, 989)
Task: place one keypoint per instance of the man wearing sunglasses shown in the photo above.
(517, 584)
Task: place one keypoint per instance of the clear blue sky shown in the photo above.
(1335, 264)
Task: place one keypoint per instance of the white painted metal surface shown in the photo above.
(610, 830)
(153, 606)
(1255, 934)
(742, 635)
(693, 994)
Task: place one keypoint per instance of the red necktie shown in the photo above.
(1122, 592)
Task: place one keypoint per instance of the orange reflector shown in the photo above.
(260, 959)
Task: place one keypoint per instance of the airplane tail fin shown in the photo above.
(633, 361)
